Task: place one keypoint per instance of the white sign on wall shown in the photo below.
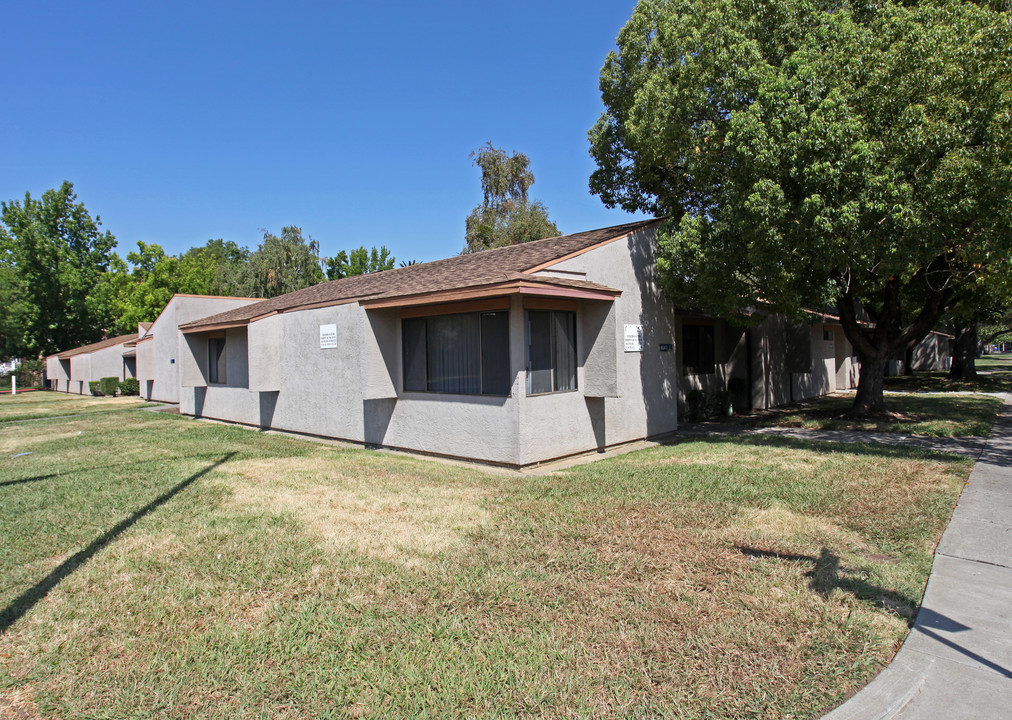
(328, 336)
(634, 338)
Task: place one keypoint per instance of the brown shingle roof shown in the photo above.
(108, 342)
(463, 271)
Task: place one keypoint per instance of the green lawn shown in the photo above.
(157, 567)
(995, 375)
(45, 404)
(938, 415)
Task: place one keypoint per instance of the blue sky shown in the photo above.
(183, 121)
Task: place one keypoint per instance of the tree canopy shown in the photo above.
(282, 264)
(359, 262)
(506, 216)
(811, 154)
(53, 255)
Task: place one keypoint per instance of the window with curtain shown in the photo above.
(551, 351)
(465, 353)
(216, 361)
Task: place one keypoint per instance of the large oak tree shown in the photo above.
(812, 154)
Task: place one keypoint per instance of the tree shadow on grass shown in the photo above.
(21, 481)
(860, 447)
(828, 574)
(30, 597)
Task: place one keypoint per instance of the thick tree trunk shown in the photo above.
(875, 344)
(964, 353)
(870, 398)
(908, 361)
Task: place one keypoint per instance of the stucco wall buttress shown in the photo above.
(320, 387)
(600, 363)
(380, 356)
(80, 374)
(264, 354)
(193, 361)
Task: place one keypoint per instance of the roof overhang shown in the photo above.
(209, 327)
(539, 288)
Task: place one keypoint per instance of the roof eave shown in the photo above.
(514, 287)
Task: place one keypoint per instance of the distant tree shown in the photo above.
(407, 263)
(506, 215)
(57, 255)
(281, 264)
(812, 154)
(212, 269)
(359, 262)
(13, 312)
(138, 292)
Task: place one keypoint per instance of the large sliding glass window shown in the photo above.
(551, 351)
(466, 353)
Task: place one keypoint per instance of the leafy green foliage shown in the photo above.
(359, 262)
(281, 264)
(53, 254)
(29, 373)
(811, 154)
(109, 385)
(129, 386)
(138, 292)
(506, 215)
(13, 309)
(95, 388)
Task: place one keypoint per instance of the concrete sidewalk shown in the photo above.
(957, 660)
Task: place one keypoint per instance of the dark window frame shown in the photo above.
(699, 349)
(483, 360)
(550, 354)
(217, 368)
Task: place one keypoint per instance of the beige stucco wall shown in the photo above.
(160, 358)
(934, 352)
(644, 400)
(58, 371)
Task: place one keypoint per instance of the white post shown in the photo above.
(14, 384)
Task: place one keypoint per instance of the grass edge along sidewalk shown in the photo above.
(726, 577)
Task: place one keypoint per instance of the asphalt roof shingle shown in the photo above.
(462, 271)
(101, 344)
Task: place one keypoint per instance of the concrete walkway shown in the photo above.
(957, 661)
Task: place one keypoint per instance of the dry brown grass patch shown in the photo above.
(393, 517)
(779, 529)
(787, 459)
(19, 704)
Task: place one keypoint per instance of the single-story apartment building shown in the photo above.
(71, 370)
(512, 356)
(159, 343)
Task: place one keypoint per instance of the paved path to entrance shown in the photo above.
(957, 661)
